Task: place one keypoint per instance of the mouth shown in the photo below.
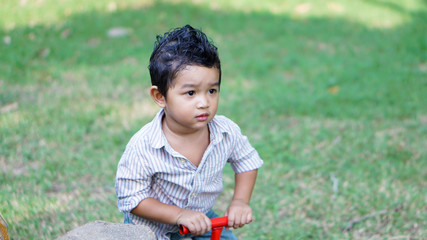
(202, 117)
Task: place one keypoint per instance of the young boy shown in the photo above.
(171, 171)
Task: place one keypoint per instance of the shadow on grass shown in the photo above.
(315, 66)
(274, 66)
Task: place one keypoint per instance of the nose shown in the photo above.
(203, 102)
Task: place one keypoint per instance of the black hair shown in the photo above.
(177, 49)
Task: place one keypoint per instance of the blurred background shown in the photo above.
(331, 93)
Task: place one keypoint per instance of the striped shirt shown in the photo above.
(150, 168)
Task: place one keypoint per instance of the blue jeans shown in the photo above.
(228, 235)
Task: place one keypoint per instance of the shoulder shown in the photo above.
(138, 151)
(139, 142)
(150, 135)
(141, 136)
(225, 125)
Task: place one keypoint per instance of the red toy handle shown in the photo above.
(216, 223)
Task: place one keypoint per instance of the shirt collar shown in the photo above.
(157, 137)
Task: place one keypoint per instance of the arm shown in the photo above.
(151, 209)
(239, 212)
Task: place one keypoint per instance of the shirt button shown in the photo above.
(193, 195)
(182, 161)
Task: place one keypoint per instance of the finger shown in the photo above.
(231, 220)
(205, 224)
(237, 221)
(249, 218)
(197, 229)
(208, 224)
(244, 219)
(228, 223)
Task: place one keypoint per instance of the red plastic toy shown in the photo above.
(217, 225)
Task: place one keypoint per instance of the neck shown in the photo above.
(172, 130)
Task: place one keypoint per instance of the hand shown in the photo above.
(239, 213)
(197, 222)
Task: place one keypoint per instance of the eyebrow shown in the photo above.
(190, 85)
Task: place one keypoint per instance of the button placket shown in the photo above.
(196, 186)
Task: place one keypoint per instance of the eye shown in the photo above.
(190, 93)
(212, 91)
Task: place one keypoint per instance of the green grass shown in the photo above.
(326, 91)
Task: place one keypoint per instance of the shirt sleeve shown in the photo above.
(244, 157)
(133, 180)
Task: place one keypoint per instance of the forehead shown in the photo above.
(196, 75)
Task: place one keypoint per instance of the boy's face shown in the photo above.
(192, 101)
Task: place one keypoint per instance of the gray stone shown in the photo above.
(100, 230)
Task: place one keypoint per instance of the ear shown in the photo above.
(158, 98)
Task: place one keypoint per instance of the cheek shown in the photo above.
(179, 102)
(216, 101)
(183, 107)
(214, 107)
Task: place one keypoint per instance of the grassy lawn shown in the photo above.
(332, 94)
